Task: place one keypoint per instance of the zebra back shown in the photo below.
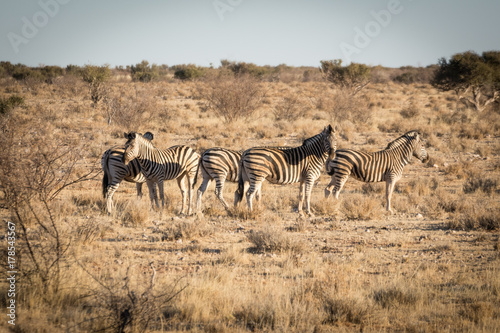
(376, 166)
(115, 171)
(290, 165)
(160, 164)
(216, 161)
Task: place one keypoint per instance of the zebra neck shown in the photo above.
(146, 153)
(406, 154)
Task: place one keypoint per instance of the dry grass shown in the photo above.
(432, 266)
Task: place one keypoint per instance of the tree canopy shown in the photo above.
(475, 78)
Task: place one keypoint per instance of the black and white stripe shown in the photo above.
(115, 171)
(286, 166)
(177, 162)
(385, 165)
(221, 165)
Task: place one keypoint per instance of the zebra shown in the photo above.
(115, 172)
(385, 165)
(286, 166)
(177, 162)
(221, 165)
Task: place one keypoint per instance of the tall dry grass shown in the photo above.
(432, 266)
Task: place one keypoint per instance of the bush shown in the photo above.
(290, 107)
(7, 104)
(244, 68)
(234, 97)
(189, 72)
(96, 76)
(353, 77)
(144, 72)
(270, 240)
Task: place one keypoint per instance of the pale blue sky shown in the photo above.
(294, 32)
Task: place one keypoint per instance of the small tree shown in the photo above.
(96, 76)
(144, 72)
(233, 97)
(474, 78)
(353, 77)
(189, 72)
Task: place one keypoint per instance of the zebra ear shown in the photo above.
(125, 135)
(329, 129)
(148, 135)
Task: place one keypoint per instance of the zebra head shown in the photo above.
(330, 142)
(418, 146)
(133, 144)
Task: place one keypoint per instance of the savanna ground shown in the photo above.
(434, 265)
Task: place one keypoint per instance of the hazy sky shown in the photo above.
(295, 32)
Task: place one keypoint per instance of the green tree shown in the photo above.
(474, 78)
(353, 77)
(144, 72)
(96, 76)
(189, 72)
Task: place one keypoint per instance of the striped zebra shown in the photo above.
(115, 171)
(221, 165)
(177, 162)
(385, 165)
(286, 166)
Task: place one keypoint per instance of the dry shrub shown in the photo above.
(395, 296)
(475, 215)
(477, 311)
(326, 207)
(477, 181)
(343, 310)
(89, 230)
(135, 213)
(460, 170)
(186, 229)
(241, 211)
(233, 256)
(273, 240)
(342, 106)
(411, 111)
(126, 112)
(290, 107)
(232, 97)
(127, 302)
(361, 207)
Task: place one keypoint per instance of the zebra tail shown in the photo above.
(105, 178)
(197, 171)
(239, 191)
(331, 172)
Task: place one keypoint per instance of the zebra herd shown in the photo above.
(139, 161)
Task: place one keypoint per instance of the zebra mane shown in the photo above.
(405, 138)
(313, 139)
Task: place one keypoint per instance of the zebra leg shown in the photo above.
(329, 187)
(162, 194)
(191, 178)
(339, 187)
(182, 187)
(201, 191)
(255, 187)
(308, 190)
(109, 197)
(152, 193)
(301, 197)
(139, 190)
(258, 194)
(389, 187)
(246, 186)
(219, 188)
